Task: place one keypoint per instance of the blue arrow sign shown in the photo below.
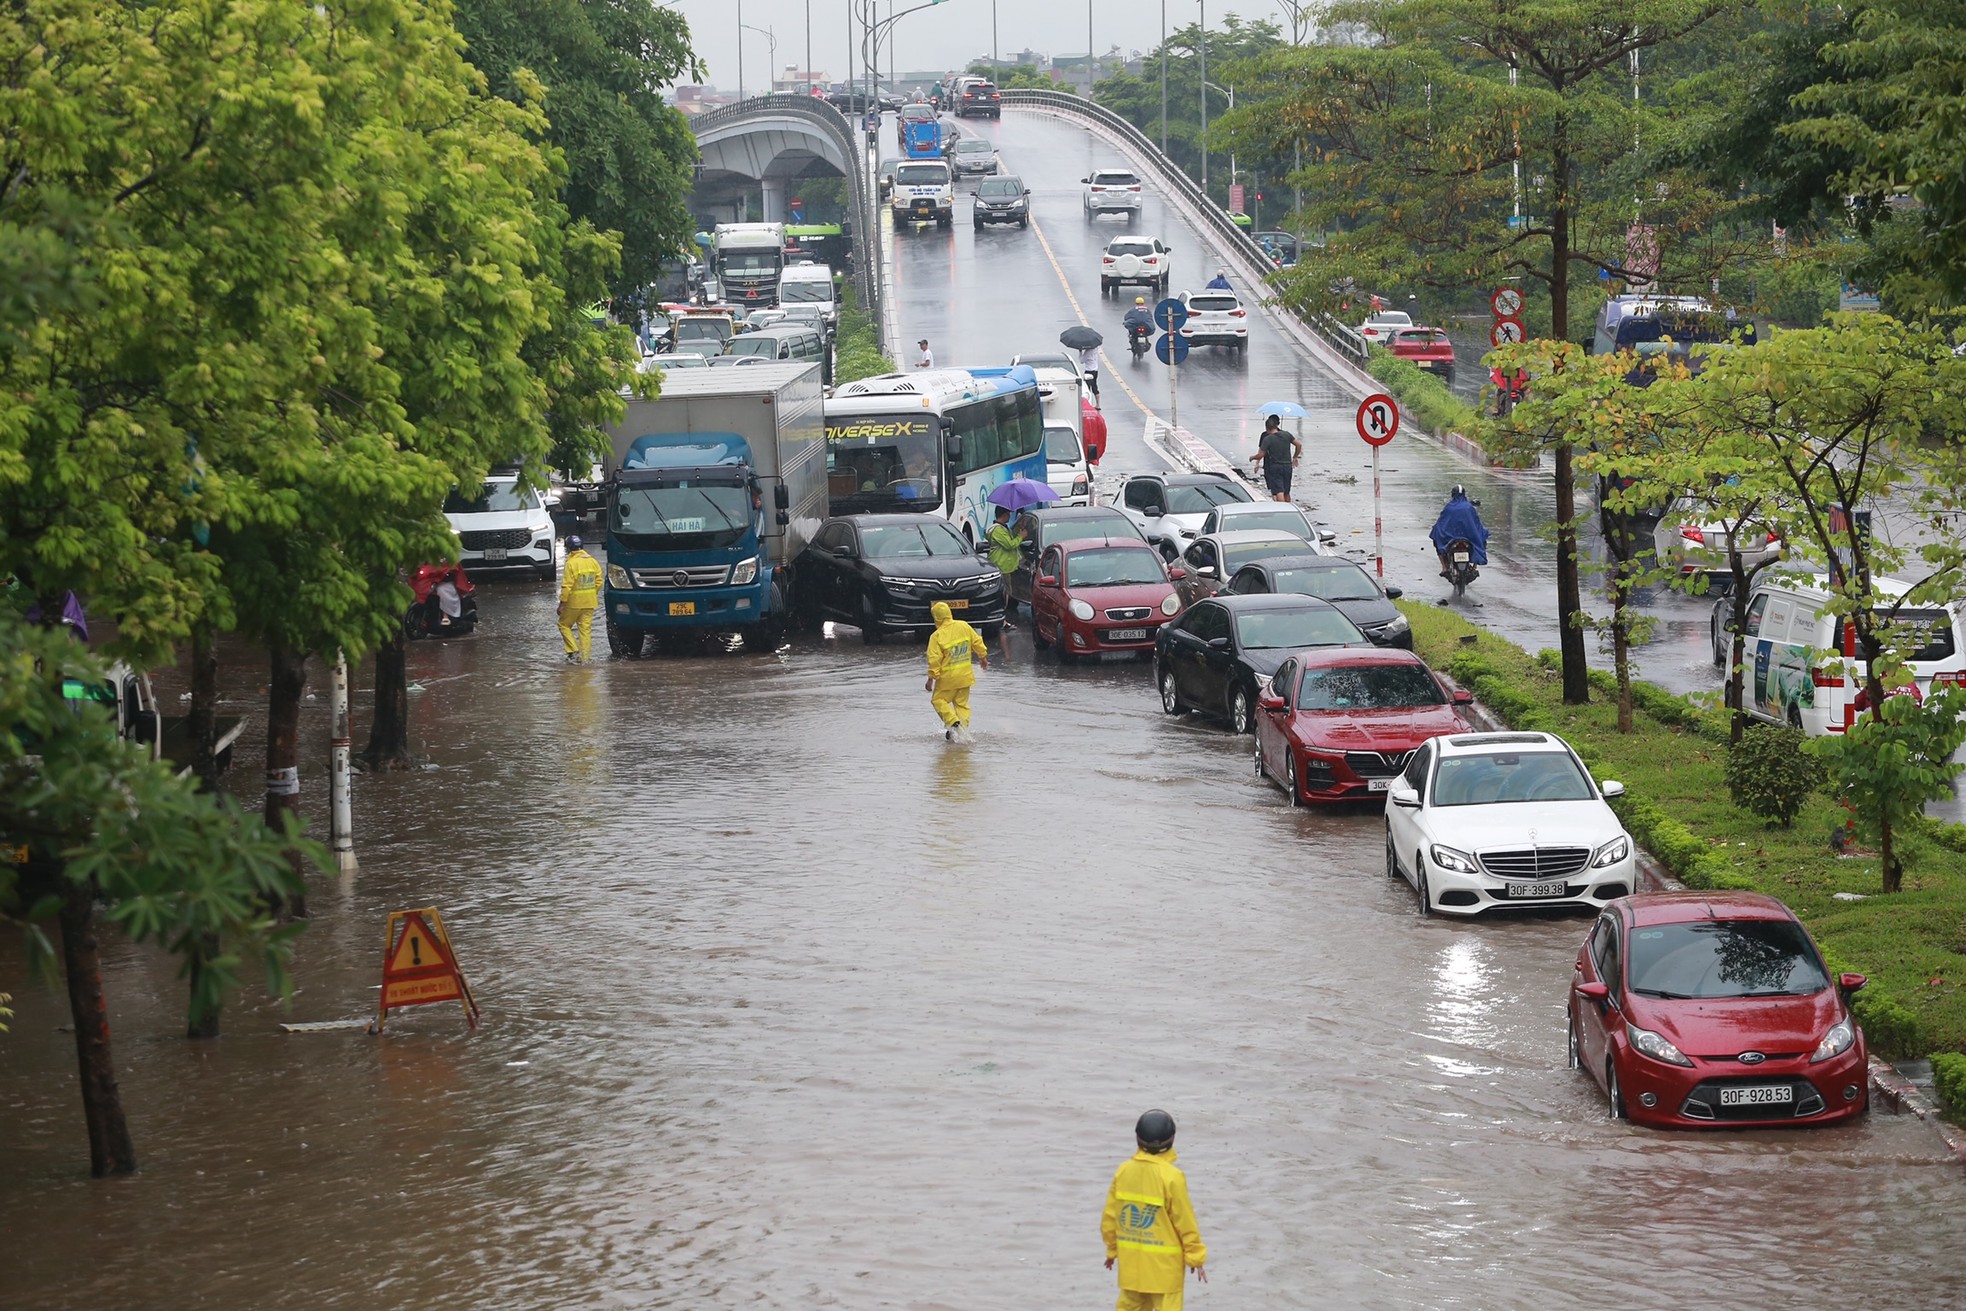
(1168, 344)
(1170, 314)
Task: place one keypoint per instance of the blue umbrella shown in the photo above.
(1022, 494)
(1284, 410)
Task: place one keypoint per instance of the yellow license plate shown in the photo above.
(959, 605)
(682, 607)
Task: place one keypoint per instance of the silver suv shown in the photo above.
(1112, 191)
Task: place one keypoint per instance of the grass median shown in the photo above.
(1912, 944)
(857, 346)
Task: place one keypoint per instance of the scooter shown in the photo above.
(1139, 341)
(444, 603)
(1461, 568)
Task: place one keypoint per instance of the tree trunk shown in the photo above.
(204, 708)
(110, 1148)
(1737, 609)
(389, 727)
(288, 682)
(1618, 541)
(1569, 585)
(201, 1021)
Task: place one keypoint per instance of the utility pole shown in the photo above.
(1163, 77)
(809, 83)
(1091, 65)
(1203, 142)
(341, 817)
(740, 49)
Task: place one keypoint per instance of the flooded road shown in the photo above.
(788, 1003)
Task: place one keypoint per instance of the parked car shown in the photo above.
(1047, 525)
(1001, 199)
(973, 155)
(1340, 725)
(1100, 595)
(1168, 507)
(1687, 539)
(1379, 325)
(979, 98)
(1272, 515)
(886, 182)
(1216, 318)
(1701, 1009)
(1135, 261)
(1219, 655)
(1344, 583)
(501, 526)
(1111, 191)
(1425, 348)
(882, 572)
(1212, 558)
(1480, 820)
(687, 360)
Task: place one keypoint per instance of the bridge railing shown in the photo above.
(861, 199)
(1342, 339)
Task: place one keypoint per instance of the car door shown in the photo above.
(1606, 951)
(1403, 828)
(1048, 602)
(1145, 497)
(1197, 585)
(1249, 581)
(1273, 722)
(1208, 682)
(1181, 645)
(819, 567)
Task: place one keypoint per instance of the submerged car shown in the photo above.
(1213, 558)
(1046, 525)
(883, 572)
(1219, 656)
(1100, 595)
(1168, 507)
(1698, 1009)
(1340, 725)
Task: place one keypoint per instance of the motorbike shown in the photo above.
(444, 603)
(1139, 340)
(1461, 568)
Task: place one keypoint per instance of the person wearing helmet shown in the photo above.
(1139, 321)
(1220, 282)
(1460, 521)
(954, 651)
(580, 597)
(1149, 1228)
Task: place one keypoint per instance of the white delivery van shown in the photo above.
(810, 284)
(1066, 467)
(1799, 664)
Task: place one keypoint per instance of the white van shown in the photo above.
(1799, 667)
(1066, 467)
(810, 284)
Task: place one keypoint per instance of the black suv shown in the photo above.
(980, 98)
(1002, 199)
(883, 572)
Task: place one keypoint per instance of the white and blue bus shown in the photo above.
(939, 442)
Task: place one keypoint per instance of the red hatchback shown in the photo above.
(1339, 724)
(1100, 594)
(1694, 1009)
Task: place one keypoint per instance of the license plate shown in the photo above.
(1766, 1095)
(682, 607)
(1127, 635)
(1460, 557)
(1378, 785)
(1534, 889)
(959, 605)
(493, 554)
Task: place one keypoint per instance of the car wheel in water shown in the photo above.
(978, 225)
(870, 626)
(1719, 651)
(1570, 1061)
(1170, 696)
(625, 641)
(1262, 770)
(1290, 783)
(1422, 886)
(1614, 1093)
(1241, 717)
(1392, 856)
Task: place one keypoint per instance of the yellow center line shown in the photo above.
(1112, 375)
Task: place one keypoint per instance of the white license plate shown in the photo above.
(494, 554)
(1127, 635)
(1460, 557)
(1379, 784)
(1534, 889)
(1768, 1095)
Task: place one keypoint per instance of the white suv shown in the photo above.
(502, 527)
(1216, 318)
(1140, 261)
(1112, 191)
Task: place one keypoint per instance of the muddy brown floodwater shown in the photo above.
(790, 1004)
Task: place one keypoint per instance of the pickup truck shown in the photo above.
(1428, 348)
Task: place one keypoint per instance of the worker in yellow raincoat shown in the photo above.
(580, 597)
(1148, 1225)
(954, 651)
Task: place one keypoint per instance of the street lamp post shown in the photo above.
(1230, 92)
(809, 85)
(771, 44)
(1091, 65)
(740, 49)
(1203, 141)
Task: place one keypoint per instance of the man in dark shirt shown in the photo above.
(1279, 453)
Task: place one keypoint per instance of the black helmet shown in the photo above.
(1458, 491)
(1154, 1131)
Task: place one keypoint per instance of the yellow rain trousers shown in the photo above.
(951, 649)
(580, 596)
(1150, 1227)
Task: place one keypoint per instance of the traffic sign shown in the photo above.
(1378, 419)
(1170, 314)
(1506, 332)
(1506, 303)
(418, 967)
(1169, 347)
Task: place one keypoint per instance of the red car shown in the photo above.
(1429, 348)
(1693, 1009)
(1339, 724)
(1101, 594)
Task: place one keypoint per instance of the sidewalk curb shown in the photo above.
(1887, 1082)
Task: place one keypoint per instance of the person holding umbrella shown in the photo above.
(1007, 546)
(1086, 342)
(1278, 452)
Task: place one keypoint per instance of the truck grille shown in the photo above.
(713, 575)
(1376, 764)
(1536, 862)
(509, 539)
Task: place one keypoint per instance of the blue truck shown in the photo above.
(921, 139)
(711, 491)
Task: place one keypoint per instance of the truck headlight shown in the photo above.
(618, 577)
(746, 572)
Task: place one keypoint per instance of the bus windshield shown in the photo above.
(880, 464)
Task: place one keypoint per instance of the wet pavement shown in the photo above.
(791, 1004)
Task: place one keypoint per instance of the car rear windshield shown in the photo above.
(807, 293)
(1920, 635)
(1507, 776)
(1114, 566)
(1000, 187)
(1213, 303)
(1390, 319)
(1369, 687)
(1724, 958)
(1091, 525)
(1201, 499)
(919, 540)
(979, 88)
(1349, 583)
(1124, 247)
(921, 175)
(1277, 519)
(1238, 554)
(1421, 337)
(1274, 630)
(1115, 180)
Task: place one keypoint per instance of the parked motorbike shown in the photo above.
(444, 603)
(1461, 568)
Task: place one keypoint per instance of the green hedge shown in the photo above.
(856, 346)
(1421, 394)
(1948, 1077)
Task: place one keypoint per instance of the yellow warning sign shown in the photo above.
(417, 947)
(419, 966)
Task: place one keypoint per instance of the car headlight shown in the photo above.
(1081, 609)
(746, 572)
(1654, 1045)
(618, 577)
(1172, 605)
(1458, 861)
(1612, 852)
(1395, 626)
(1836, 1042)
(902, 583)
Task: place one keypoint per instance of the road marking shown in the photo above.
(1112, 375)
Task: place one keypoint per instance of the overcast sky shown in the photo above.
(946, 36)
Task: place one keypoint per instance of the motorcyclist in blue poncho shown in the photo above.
(1460, 521)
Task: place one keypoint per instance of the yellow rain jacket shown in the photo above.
(1149, 1225)
(580, 581)
(952, 648)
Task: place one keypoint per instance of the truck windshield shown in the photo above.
(703, 329)
(749, 261)
(681, 513)
(922, 175)
(805, 293)
(1061, 446)
(877, 464)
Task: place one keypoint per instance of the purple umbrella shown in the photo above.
(1022, 494)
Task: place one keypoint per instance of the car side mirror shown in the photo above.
(1207, 571)
(1085, 181)
(1175, 574)
(1594, 992)
(781, 496)
(1218, 643)
(1153, 512)
(1027, 191)
(845, 551)
(1851, 983)
(1463, 697)
(1611, 787)
(1404, 798)
(1047, 580)
(1270, 701)
(1394, 593)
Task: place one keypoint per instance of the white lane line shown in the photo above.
(1112, 374)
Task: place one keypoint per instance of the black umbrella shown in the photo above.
(1080, 338)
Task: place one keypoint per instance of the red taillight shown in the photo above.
(1693, 535)
(1774, 538)
(1108, 260)
(1824, 678)
(1134, 187)
(1950, 678)
(1238, 314)
(1097, 187)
